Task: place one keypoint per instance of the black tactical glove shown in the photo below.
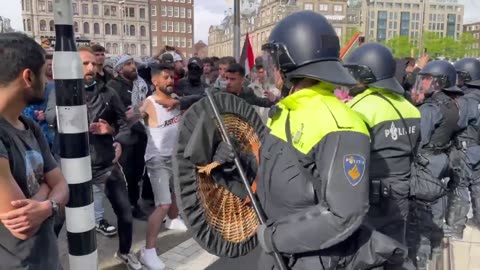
(224, 153)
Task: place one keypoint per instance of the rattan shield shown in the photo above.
(221, 222)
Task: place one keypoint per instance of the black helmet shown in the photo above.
(374, 65)
(468, 70)
(442, 73)
(305, 45)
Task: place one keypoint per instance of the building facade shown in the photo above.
(5, 26)
(260, 23)
(97, 21)
(172, 25)
(385, 19)
(474, 29)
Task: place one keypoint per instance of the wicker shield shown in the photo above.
(221, 221)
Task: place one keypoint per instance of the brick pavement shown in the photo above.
(187, 256)
(465, 253)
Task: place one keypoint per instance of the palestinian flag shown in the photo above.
(247, 58)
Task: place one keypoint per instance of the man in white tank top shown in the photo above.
(161, 128)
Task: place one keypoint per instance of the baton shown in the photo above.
(256, 206)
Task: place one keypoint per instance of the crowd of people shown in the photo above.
(380, 155)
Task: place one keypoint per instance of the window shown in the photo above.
(86, 28)
(132, 12)
(182, 12)
(183, 42)
(41, 5)
(51, 25)
(113, 11)
(75, 8)
(323, 7)
(29, 25)
(153, 10)
(338, 8)
(338, 31)
(126, 48)
(164, 40)
(108, 47)
(143, 49)
(133, 49)
(143, 31)
(43, 25)
(154, 42)
(308, 6)
(96, 11)
(176, 12)
(170, 11)
(114, 29)
(163, 11)
(189, 13)
(75, 26)
(182, 27)
(115, 48)
(106, 10)
(177, 41)
(96, 28)
(170, 41)
(189, 28)
(189, 43)
(176, 27)
(108, 30)
(28, 7)
(154, 26)
(50, 6)
(164, 26)
(84, 9)
(132, 30)
(142, 13)
(170, 26)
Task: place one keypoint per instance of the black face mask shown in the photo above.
(195, 74)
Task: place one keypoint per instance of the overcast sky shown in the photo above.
(207, 12)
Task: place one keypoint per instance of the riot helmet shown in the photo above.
(373, 64)
(436, 76)
(468, 71)
(305, 45)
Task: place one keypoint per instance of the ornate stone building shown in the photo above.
(98, 21)
(259, 22)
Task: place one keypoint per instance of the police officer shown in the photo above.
(313, 177)
(394, 127)
(466, 155)
(432, 92)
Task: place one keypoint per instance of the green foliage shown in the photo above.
(436, 45)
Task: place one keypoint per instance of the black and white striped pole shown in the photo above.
(73, 134)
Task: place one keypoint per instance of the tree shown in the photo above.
(400, 46)
(469, 48)
(349, 34)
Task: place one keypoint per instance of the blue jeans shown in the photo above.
(98, 197)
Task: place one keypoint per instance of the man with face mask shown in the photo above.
(132, 90)
(394, 128)
(432, 92)
(32, 187)
(465, 157)
(192, 84)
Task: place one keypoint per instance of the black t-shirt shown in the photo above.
(29, 156)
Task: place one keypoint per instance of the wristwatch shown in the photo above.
(55, 208)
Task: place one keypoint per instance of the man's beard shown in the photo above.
(35, 95)
(132, 76)
(166, 90)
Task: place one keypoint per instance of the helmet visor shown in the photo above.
(462, 78)
(361, 74)
(427, 83)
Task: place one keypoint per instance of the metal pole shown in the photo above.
(74, 146)
(236, 29)
(256, 206)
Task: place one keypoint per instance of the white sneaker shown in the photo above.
(150, 261)
(175, 224)
(130, 260)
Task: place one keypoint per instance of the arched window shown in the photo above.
(115, 48)
(24, 25)
(108, 47)
(52, 25)
(86, 28)
(143, 31)
(132, 30)
(29, 24)
(143, 50)
(114, 29)
(133, 49)
(125, 48)
(96, 28)
(43, 25)
(108, 30)
(75, 26)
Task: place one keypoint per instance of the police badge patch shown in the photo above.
(354, 168)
